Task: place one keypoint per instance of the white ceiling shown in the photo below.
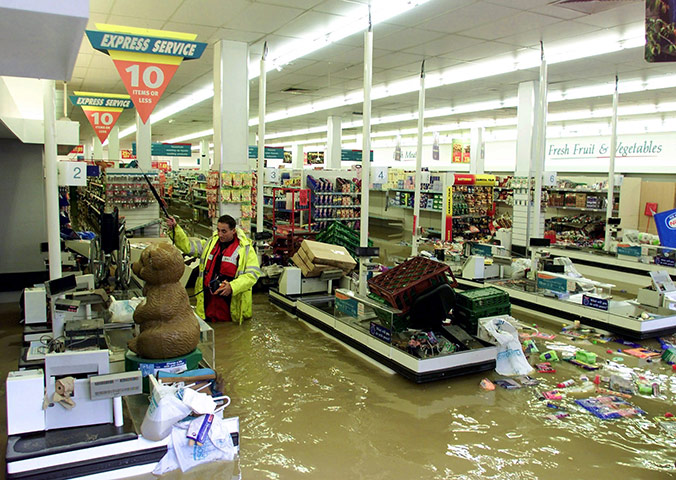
(444, 33)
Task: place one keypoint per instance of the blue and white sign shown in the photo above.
(380, 332)
(666, 227)
(665, 261)
(125, 42)
(595, 302)
(167, 149)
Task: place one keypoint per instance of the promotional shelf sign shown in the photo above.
(102, 110)
(145, 59)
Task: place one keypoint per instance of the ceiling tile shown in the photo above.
(139, 22)
(214, 13)
(258, 17)
(407, 38)
(627, 13)
(342, 7)
(467, 17)
(159, 10)
(521, 4)
(428, 11)
(522, 22)
(442, 46)
(558, 12)
(203, 32)
(480, 50)
(312, 25)
(100, 6)
(304, 4)
(394, 60)
(553, 33)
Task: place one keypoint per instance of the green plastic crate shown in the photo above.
(479, 298)
(469, 319)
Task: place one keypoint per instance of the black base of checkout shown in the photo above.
(316, 310)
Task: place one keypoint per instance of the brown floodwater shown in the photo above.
(311, 408)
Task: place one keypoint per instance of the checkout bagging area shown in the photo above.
(117, 374)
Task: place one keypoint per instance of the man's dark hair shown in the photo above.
(228, 220)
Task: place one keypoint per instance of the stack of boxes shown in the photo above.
(479, 303)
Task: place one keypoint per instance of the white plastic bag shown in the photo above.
(123, 310)
(511, 359)
(165, 409)
(217, 447)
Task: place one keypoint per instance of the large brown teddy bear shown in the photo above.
(169, 328)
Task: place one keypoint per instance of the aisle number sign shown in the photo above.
(72, 173)
(146, 59)
(102, 110)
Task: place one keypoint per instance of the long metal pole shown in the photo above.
(366, 153)
(51, 180)
(261, 140)
(541, 143)
(611, 168)
(418, 162)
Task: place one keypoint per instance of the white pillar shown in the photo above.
(175, 163)
(333, 142)
(418, 162)
(537, 219)
(97, 147)
(476, 150)
(611, 167)
(51, 180)
(114, 144)
(87, 150)
(262, 78)
(526, 113)
(366, 154)
(297, 158)
(204, 155)
(143, 144)
(231, 112)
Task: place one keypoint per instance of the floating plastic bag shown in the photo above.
(166, 408)
(511, 359)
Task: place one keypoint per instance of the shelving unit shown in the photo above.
(291, 219)
(334, 200)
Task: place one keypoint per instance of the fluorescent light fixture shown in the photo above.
(191, 136)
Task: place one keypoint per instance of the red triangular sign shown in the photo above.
(145, 83)
(102, 121)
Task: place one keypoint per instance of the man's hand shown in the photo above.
(171, 222)
(224, 290)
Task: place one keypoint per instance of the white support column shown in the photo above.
(366, 154)
(231, 112)
(537, 219)
(98, 148)
(87, 150)
(524, 153)
(204, 155)
(114, 144)
(143, 147)
(51, 180)
(611, 167)
(262, 80)
(333, 142)
(297, 156)
(476, 150)
(418, 162)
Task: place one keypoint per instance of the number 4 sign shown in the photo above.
(102, 110)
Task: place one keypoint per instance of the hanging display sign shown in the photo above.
(145, 59)
(448, 234)
(463, 179)
(102, 110)
(271, 153)
(127, 154)
(660, 31)
(164, 166)
(167, 149)
(77, 150)
(352, 155)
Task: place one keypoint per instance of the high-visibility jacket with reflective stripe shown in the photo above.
(248, 271)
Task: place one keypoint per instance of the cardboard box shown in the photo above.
(324, 254)
(307, 268)
(581, 200)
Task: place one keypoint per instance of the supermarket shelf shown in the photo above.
(580, 209)
(413, 191)
(200, 207)
(573, 190)
(336, 206)
(298, 210)
(200, 197)
(421, 208)
(353, 219)
(337, 193)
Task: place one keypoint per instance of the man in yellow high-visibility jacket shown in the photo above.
(228, 270)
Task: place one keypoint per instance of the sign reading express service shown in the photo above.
(102, 110)
(145, 59)
(167, 149)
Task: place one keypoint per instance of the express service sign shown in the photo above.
(102, 110)
(145, 59)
